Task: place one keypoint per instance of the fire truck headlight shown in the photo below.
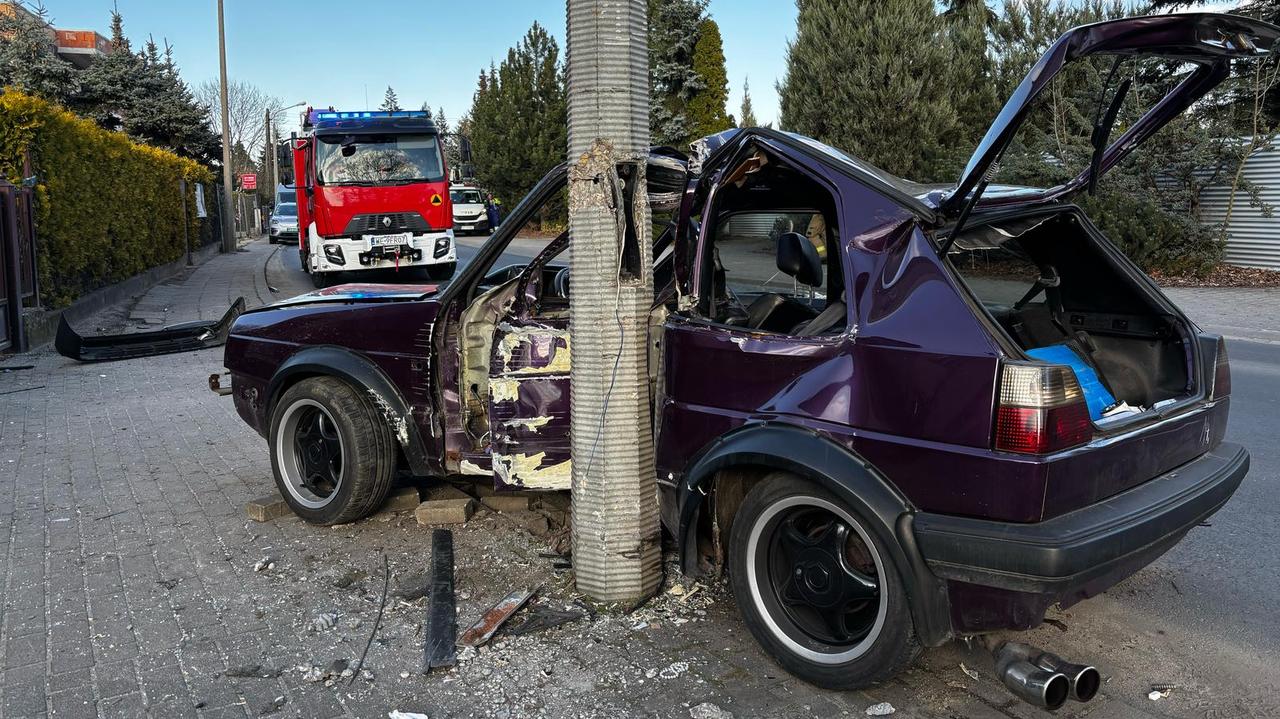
(333, 253)
(442, 247)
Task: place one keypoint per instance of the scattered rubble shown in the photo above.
(707, 710)
(493, 619)
(883, 709)
(324, 621)
(264, 564)
(445, 511)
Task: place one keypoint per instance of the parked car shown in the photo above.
(469, 210)
(881, 454)
(284, 223)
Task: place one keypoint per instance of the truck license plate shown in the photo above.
(403, 238)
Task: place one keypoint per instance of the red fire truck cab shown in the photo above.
(373, 194)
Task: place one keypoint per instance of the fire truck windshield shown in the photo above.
(378, 159)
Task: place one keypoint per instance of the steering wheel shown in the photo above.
(561, 283)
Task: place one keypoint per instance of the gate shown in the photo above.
(18, 280)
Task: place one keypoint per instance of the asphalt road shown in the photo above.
(1202, 618)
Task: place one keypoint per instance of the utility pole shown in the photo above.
(271, 147)
(228, 220)
(616, 543)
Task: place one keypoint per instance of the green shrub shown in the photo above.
(107, 208)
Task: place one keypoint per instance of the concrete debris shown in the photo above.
(1156, 696)
(324, 621)
(397, 714)
(335, 670)
(445, 511)
(404, 499)
(707, 710)
(971, 673)
(883, 709)
(508, 502)
(265, 564)
(265, 509)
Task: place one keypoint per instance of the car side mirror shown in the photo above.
(798, 258)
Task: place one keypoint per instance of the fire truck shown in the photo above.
(373, 194)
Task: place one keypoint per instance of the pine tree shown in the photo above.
(142, 94)
(747, 115)
(29, 58)
(519, 117)
(390, 103)
(870, 79)
(673, 37)
(707, 114)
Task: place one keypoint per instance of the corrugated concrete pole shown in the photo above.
(228, 220)
(616, 547)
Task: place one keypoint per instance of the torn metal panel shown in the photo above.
(440, 647)
(493, 619)
(535, 349)
(184, 337)
(532, 471)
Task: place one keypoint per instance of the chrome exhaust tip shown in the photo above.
(1028, 681)
(1085, 680)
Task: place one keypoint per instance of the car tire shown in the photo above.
(781, 571)
(311, 419)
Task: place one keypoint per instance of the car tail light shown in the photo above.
(1221, 372)
(1041, 409)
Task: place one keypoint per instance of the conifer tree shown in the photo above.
(673, 82)
(747, 115)
(390, 103)
(707, 114)
(29, 58)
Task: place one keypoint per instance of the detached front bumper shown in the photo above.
(1075, 555)
(346, 254)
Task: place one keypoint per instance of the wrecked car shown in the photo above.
(882, 453)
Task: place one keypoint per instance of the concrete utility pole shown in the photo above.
(271, 159)
(616, 548)
(228, 220)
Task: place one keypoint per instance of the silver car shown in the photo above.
(284, 223)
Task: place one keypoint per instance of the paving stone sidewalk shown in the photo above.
(129, 585)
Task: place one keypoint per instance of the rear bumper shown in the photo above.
(1084, 552)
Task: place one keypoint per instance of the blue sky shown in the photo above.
(427, 51)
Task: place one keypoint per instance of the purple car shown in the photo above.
(894, 414)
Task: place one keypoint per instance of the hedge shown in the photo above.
(107, 208)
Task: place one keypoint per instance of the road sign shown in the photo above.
(248, 181)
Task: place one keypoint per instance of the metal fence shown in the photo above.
(1253, 238)
(19, 282)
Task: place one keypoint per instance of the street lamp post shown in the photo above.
(228, 228)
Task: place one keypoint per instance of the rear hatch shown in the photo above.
(1104, 378)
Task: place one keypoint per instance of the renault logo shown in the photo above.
(386, 221)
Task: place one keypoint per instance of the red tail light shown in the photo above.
(1041, 409)
(1221, 373)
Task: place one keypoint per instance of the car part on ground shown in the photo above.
(184, 337)
(440, 648)
(1043, 679)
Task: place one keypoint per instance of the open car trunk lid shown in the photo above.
(1210, 41)
(1118, 323)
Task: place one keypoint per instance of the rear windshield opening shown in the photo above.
(1056, 294)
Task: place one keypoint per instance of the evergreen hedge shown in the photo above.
(107, 208)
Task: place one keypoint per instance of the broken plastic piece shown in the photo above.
(442, 621)
(183, 337)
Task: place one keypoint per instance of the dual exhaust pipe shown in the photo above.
(1043, 679)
